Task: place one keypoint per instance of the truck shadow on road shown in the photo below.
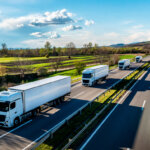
(47, 119)
(118, 131)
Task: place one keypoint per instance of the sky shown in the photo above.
(30, 23)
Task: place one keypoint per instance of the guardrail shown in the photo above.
(99, 113)
(50, 132)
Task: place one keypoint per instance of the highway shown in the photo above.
(142, 140)
(22, 136)
(120, 127)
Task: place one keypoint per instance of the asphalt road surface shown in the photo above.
(24, 135)
(120, 127)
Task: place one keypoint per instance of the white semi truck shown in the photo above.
(138, 59)
(92, 75)
(123, 64)
(25, 100)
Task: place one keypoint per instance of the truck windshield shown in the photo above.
(87, 75)
(4, 106)
(121, 64)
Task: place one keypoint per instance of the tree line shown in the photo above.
(69, 50)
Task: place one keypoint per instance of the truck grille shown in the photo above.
(2, 117)
(85, 81)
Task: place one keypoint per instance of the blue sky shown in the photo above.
(30, 23)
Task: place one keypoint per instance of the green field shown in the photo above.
(131, 56)
(36, 62)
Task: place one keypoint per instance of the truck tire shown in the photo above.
(104, 78)
(62, 98)
(16, 122)
(34, 113)
(93, 83)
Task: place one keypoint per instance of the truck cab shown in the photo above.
(123, 64)
(88, 77)
(138, 59)
(10, 107)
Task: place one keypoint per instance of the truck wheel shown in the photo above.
(34, 113)
(16, 122)
(93, 83)
(62, 99)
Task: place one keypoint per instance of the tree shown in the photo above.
(21, 65)
(89, 45)
(54, 51)
(41, 71)
(56, 63)
(59, 49)
(147, 49)
(79, 66)
(3, 72)
(4, 49)
(70, 47)
(48, 48)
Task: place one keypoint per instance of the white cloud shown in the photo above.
(89, 22)
(36, 34)
(138, 26)
(49, 35)
(53, 18)
(20, 25)
(48, 18)
(82, 37)
(14, 23)
(71, 28)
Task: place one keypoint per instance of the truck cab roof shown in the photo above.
(123, 60)
(138, 57)
(91, 70)
(9, 96)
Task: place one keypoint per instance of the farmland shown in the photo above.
(29, 64)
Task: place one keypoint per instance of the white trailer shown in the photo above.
(92, 75)
(22, 101)
(138, 59)
(123, 64)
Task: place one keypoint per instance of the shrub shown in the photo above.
(79, 66)
(41, 71)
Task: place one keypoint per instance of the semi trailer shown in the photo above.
(138, 59)
(123, 64)
(92, 75)
(22, 101)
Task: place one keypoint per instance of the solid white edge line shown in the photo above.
(15, 129)
(79, 94)
(143, 104)
(53, 127)
(100, 125)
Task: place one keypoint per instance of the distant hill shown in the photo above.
(118, 45)
(137, 44)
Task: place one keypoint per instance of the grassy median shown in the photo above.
(70, 129)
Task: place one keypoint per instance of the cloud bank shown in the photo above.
(48, 18)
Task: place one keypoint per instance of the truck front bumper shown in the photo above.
(4, 124)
